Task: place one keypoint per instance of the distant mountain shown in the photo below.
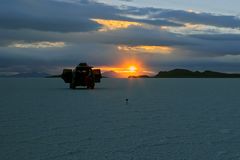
(27, 75)
(111, 74)
(183, 73)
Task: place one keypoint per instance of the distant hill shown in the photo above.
(183, 73)
(27, 75)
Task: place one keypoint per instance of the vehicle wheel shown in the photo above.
(92, 86)
(72, 86)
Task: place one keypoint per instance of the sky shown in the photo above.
(126, 36)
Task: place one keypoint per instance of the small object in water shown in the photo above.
(126, 100)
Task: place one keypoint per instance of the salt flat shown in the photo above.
(172, 119)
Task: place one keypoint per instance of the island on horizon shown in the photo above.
(184, 73)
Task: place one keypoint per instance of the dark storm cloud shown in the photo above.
(47, 15)
(54, 24)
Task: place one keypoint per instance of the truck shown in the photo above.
(82, 75)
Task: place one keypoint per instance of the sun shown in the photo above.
(132, 69)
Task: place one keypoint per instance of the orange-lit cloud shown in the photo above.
(146, 49)
(108, 25)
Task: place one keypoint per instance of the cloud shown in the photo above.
(43, 44)
(181, 16)
(54, 24)
(193, 29)
(76, 15)
(139, 36)
(47, 15)
(70, 31)
(145, 49)
(218, 37)
(127, 0)
(108, 25)
(62, 15)
(55, 58)
(202, 18)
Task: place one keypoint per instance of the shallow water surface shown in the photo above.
(178, 119)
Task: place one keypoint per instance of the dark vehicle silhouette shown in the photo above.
(82, 75)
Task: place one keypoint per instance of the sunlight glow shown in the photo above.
(124, 70)
(132, 69)
(193, 11)
(146, 49)
(127, 68)
(108, 25)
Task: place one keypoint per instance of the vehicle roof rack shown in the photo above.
(85, 65)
